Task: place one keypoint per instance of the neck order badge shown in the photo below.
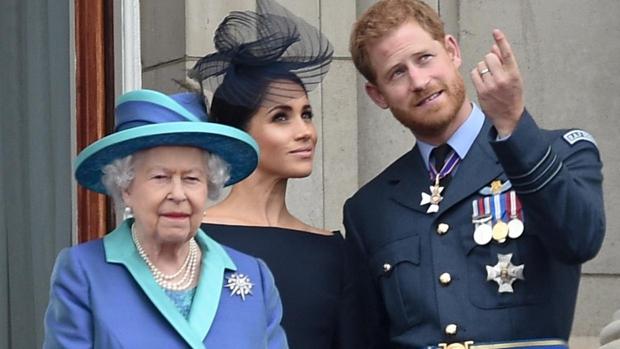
(434, 198)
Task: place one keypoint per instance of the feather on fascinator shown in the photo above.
(257, 48)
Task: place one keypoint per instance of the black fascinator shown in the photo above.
(257, 48)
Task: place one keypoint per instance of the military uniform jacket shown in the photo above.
(557, 178)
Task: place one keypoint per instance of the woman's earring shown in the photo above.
(127, 213)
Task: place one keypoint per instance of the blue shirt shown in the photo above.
(461, 140)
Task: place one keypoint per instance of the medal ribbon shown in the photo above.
(498, 210)
(474, 205)
(515, 205)
(448, 167)
(487, 206)
(480, 213)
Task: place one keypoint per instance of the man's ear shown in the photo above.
(373, 92)
(453, 49)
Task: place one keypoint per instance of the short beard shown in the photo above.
(433, 124)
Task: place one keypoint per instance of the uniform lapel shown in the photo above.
(410, 179)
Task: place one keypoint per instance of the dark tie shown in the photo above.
(438, 156)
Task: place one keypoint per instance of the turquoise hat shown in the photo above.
(147, 119)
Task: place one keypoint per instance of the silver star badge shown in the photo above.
(505, 273)
(433, 199)
(239, 284)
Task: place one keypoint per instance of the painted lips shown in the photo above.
(175, 215)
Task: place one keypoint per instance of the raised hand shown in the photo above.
(499, 86)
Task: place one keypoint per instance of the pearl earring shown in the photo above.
(127, 213)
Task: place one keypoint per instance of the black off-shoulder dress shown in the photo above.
(311, 273)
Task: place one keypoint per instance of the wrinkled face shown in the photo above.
(286, 136)
(418, 79)
(168, 193)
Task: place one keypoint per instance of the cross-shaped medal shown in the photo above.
(505, 273)
(434, 198)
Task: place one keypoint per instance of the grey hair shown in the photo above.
(118, 175)
(218, 173)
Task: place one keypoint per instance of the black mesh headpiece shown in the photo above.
(256, 48)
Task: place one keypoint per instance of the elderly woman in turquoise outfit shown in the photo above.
(158, 281)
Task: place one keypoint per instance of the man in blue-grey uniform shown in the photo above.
(477, 234)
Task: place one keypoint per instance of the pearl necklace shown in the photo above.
(187, 270)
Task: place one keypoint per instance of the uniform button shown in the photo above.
(445, 279)
(451, 329)
(442, 228)
(387, 267)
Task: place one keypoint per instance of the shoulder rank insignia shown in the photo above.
(574, 136)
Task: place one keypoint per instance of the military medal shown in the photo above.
(504, 273)
(515, 225)
(515, 228)
(490, 214)
(239, 284)
(500, 232)
(500, 229)
(483, 233)
(434, 198)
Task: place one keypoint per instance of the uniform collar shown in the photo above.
(462, 140)
(120, 249)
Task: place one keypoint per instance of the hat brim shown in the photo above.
(235, 147)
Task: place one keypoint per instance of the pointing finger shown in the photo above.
(495, 50)
(505, 50)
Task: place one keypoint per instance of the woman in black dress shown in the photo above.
(260, 82)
